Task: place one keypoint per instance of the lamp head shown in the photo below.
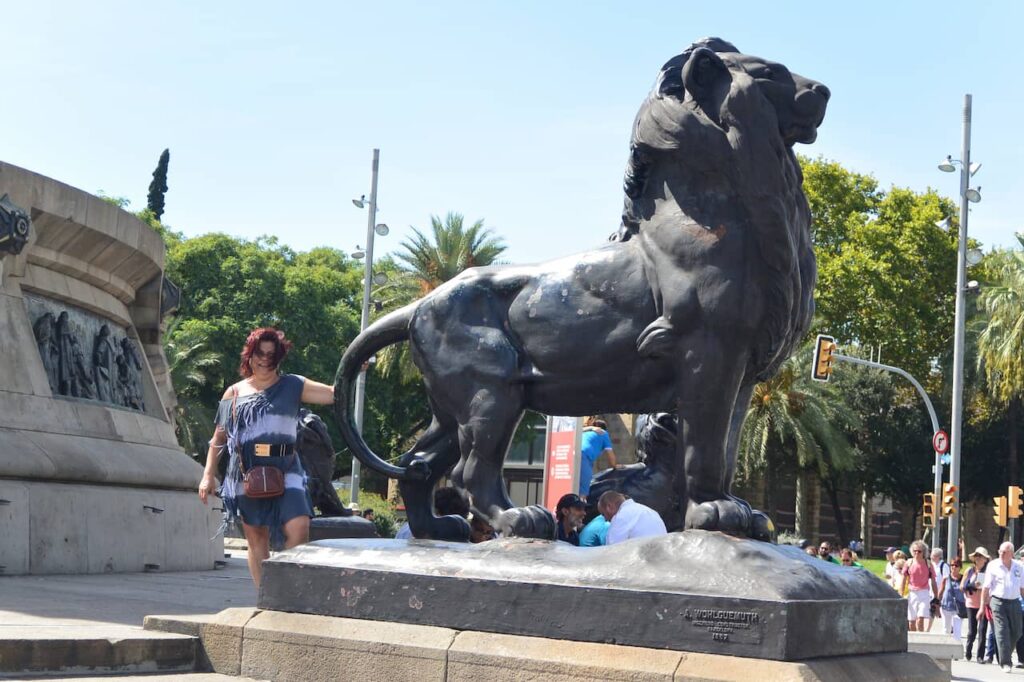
(380, 279)
(974, 256)
(947, 165)
(360, 202)
(972, 287)
(973, 195)
(944, 224)
(381, 229)
(359, 254)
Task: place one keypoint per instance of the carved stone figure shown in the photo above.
(82, 385)
(104, 365)
(65, 355)
(14, 226)
(706, 291)
(130, 375)
(45, 330)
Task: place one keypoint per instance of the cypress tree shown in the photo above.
(158, 188)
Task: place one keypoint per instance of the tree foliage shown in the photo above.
(452, 248)
(158, 187)
(884, 267)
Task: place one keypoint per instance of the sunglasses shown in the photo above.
(260, 354)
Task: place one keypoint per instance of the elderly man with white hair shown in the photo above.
(1004, 585)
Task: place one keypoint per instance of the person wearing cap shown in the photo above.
(628, 518)
(971, 584)
(890, 565)
(569, 514)
(1003, 588)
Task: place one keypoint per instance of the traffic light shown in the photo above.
(1000, 510)
(948, 499)
(823, 350)
(1013, 503)
(928, 510)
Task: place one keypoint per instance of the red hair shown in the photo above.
(257, 336)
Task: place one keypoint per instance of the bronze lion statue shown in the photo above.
(705, 290)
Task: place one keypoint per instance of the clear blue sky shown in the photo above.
(518, 112)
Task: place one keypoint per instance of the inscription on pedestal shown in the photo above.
(726, 625)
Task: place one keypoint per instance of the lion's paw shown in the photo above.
(729, 515)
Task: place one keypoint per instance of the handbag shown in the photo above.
(259, 482)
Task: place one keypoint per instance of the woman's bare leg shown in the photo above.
(296, 531)
(258, 540)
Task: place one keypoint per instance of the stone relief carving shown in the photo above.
(14, 226)
(85, 356)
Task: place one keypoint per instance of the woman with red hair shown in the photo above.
(257, 420)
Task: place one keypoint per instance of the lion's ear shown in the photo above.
(703, 72)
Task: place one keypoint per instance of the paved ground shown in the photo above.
(122, 599)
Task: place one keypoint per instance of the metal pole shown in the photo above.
(365, 320)
(937, 468)
(956, 432)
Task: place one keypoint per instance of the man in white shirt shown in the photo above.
(1004, 585)
(628, 518)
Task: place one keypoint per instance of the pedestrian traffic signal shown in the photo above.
(1000, 510)
(948, 499)
(1013, 502)
(823, 350)
(928, 510)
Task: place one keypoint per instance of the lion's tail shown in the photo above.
(388, 330)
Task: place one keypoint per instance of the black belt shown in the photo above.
(272, 449)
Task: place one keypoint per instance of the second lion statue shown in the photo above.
(705, 290)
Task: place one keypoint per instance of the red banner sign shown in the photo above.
(561, 459)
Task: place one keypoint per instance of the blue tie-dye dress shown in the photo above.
(270, 416)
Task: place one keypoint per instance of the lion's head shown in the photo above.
(731, 117)
(712, 146)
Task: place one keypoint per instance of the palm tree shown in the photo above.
(1001, 340)
(454, 248)
(429, 263)
(794, 421)
(189, 363)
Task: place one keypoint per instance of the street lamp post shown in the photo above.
(360, 397)
(956, 427)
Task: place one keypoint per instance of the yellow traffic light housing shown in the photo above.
(1000, 510)
(928, 510)
(1014, 502)
(949, 504)
(823, 350)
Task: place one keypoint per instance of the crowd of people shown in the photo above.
(988, 597)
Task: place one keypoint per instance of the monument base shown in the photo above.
(273, 645)
(51, 527)
(695, 591)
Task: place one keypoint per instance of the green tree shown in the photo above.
(452, 249)
(884, 266)
(158, 187)
(190, 364)
(230, 286)
(1000, 344)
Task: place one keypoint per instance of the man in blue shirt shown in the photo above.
(595, 533)
(595, 443)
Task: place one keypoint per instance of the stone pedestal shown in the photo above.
(274, 645)
(91, 475)
(695, 591)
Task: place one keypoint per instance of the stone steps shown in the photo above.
(50, 651)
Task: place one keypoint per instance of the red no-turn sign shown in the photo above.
(940, 441)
